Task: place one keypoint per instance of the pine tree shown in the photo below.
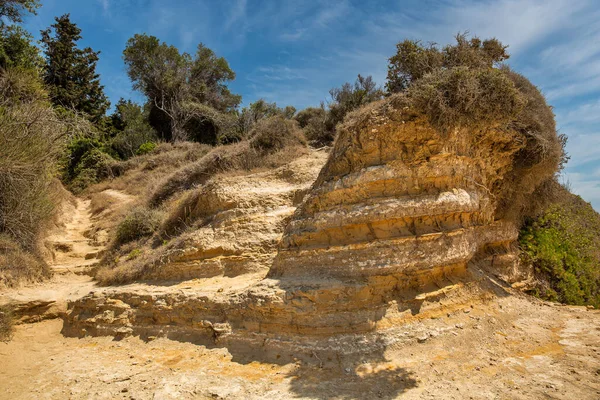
(70, 72)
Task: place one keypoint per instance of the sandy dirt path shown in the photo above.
(512, 348)
(73, 256)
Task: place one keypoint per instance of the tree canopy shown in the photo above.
(180, 87)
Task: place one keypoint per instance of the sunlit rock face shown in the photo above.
(397, 197)
(397, 227)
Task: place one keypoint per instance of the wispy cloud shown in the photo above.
(105, 5)
(313, 23)
(237, 13)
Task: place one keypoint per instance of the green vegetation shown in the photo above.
(319, 123)
(563, 246)
(131, 130)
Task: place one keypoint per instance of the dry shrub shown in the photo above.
(460, 89)
(102, 201)
(530, 186)
(17, 265)
(28, 141)
(135, 177)
(126, 269)
(466, 97)
(273, 134)
(30, 137)
(219, 159)
(139, 223)
(270, 136)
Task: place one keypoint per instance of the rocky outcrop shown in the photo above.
(241, 221)
(399, 225)
(398, 197)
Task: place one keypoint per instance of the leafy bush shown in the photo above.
(130, 121)
(259, 110)
(146, 148)
(319, 124)
(313, 121)
(87, 162)
(414, 61)
(139, 223)
(563, 246)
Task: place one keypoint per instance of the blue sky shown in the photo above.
(294, 51)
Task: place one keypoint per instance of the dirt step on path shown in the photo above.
(75, 254)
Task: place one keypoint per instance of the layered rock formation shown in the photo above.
(397, 226)
(242, 219)
(398, 197)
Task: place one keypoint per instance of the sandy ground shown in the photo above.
(513, 347)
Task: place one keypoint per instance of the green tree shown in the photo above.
(187, 95)
(319, 123)
(70, 72)
(17, 49)
(131, 122)
(351, 97)
(208, 80)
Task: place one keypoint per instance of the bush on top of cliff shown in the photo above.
(465, 86)
(563, 246)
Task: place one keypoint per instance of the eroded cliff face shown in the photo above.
(396, 197)
(241, 220)
(400, 225)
